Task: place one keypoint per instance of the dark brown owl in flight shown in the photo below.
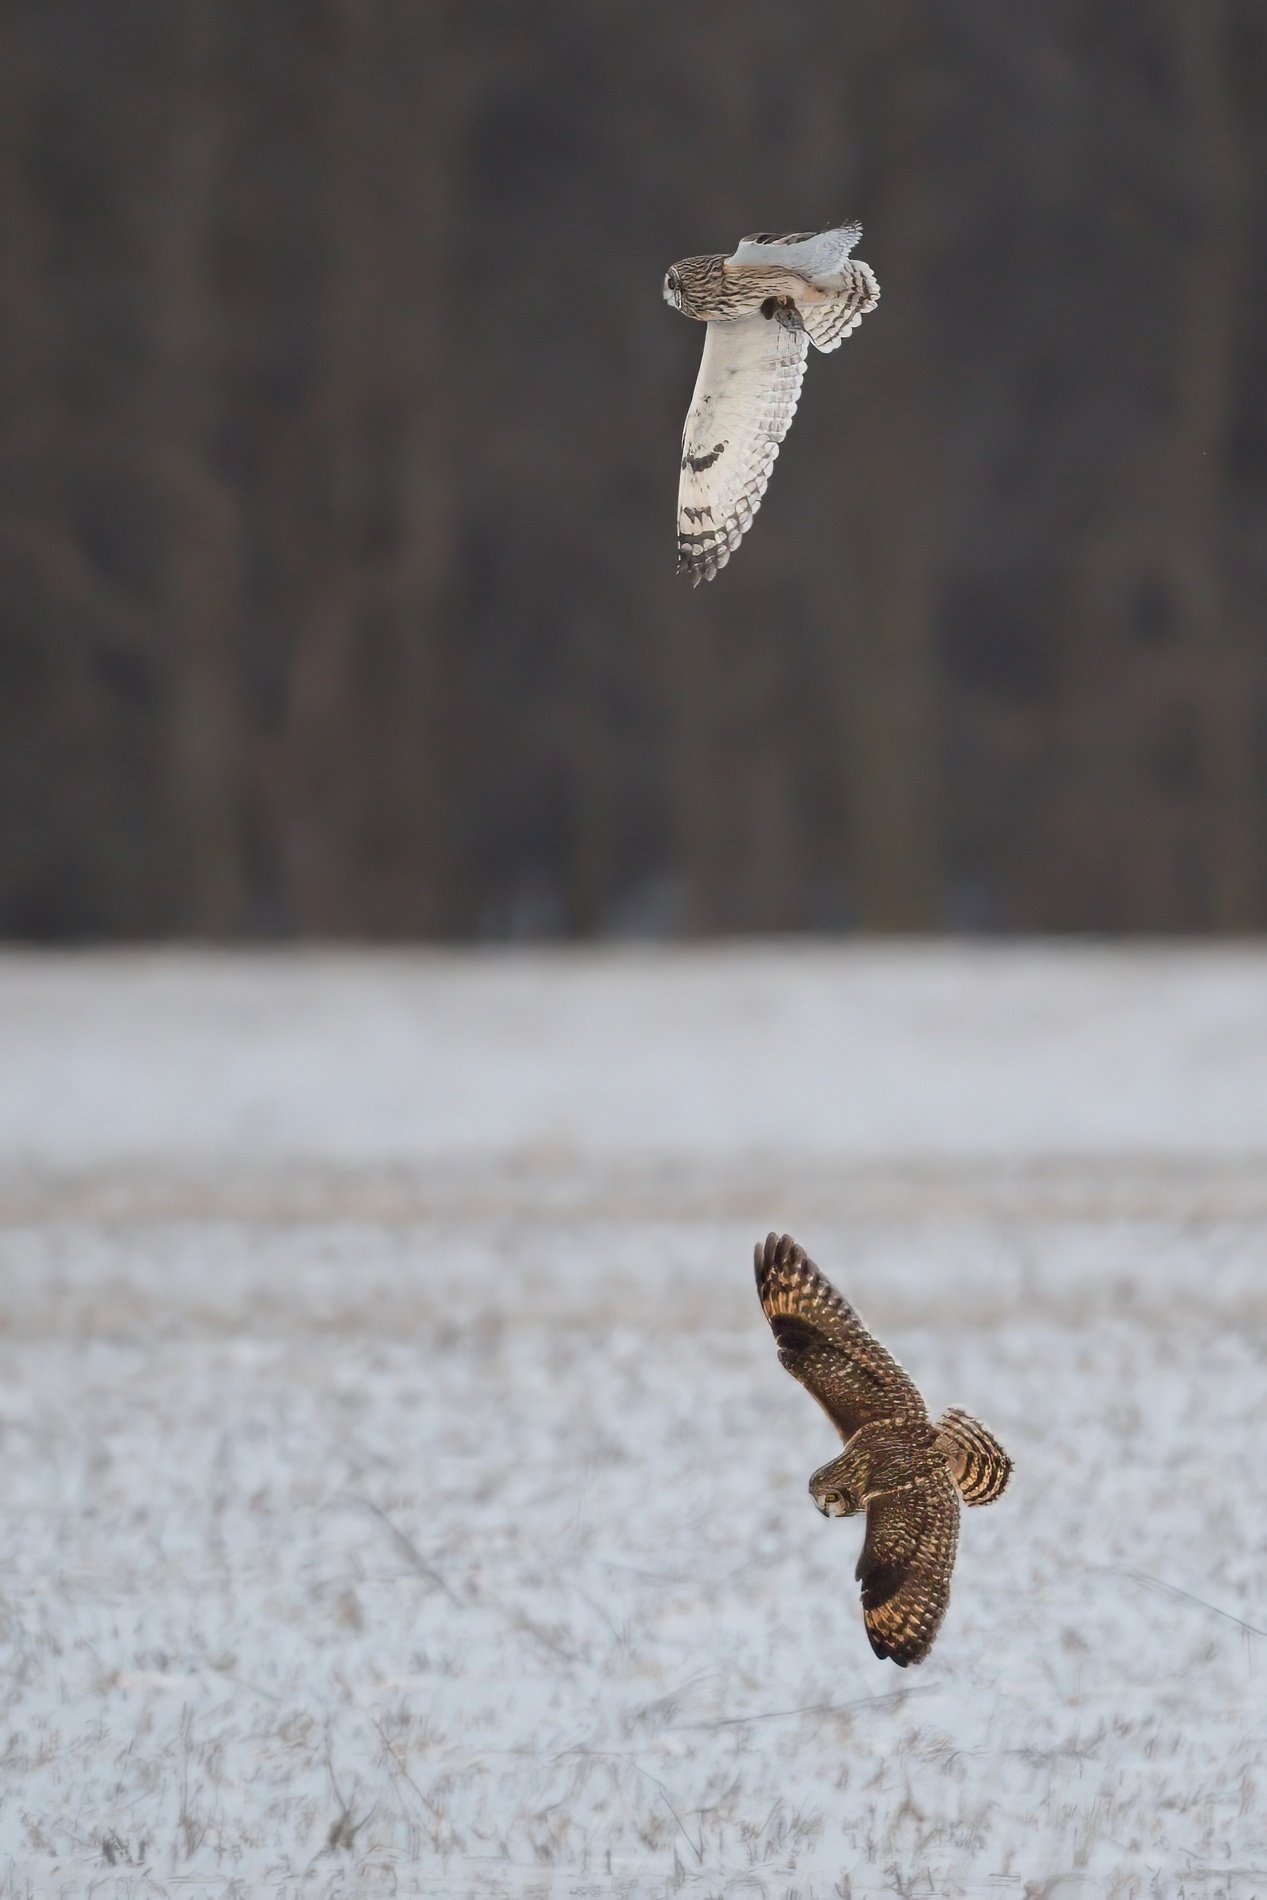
(905, 1472)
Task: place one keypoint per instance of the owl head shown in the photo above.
(835, 1503)
(831, 1491)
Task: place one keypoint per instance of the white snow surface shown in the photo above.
(400, 1493)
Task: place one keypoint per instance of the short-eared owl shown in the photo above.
(763, 308)
(907, 1473)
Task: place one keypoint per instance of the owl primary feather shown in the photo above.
(906, 1473)
(764, 307)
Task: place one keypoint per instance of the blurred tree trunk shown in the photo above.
(1212, 262)
(199, 602)
(420, 889)
(882, 570)
(739, 743)
(362, 775)
(28, 319)
(698, 795)
(1155, 808)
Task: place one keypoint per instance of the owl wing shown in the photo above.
(746, 394)
(907, 1557)
(827, 324)
(824, 1344)
(814, 252)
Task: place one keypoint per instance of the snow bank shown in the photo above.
(400, 1493)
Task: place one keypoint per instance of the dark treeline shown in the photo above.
(340, 414)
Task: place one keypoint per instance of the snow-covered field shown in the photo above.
(400, 1493)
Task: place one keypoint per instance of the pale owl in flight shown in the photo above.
(764, 307)
(905, 1472)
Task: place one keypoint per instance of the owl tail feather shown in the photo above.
(978, 1463)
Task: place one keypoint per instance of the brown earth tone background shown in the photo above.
(340, 413)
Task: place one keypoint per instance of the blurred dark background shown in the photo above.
(340, 423)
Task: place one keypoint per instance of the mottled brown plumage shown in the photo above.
(905, 1472)
(763, 306)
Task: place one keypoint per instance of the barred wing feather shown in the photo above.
(822, 1342)
(907, 1557)
(828, 323)
(817, 253)
(746, 394)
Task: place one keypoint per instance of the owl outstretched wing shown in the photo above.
(746, 394)
(817, 253)
(824, 1344)
(907, 1557)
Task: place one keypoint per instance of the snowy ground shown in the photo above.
(400, 1494)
